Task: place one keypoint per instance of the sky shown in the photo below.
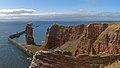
(59, 10)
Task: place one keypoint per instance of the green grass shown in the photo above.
(33, 49)
(71, 47)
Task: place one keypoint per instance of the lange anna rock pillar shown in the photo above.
(29, 35)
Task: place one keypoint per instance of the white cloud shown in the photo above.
(16, 11)
(30, 14)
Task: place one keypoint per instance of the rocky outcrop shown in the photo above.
(29, 35)
(109, 41)
(103, 40)
(57, 35)
(97, 39)
(89, 36)
(93, 46)
(51, 59)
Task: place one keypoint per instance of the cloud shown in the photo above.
(16, 11)
(33, 15)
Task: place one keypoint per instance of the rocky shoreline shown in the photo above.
(18, 45)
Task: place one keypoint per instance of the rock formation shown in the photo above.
(90, 34)
(29, 35)
(82, 46)
(52, 59)
(57, 35)
(109, 41)
(89, 38)
(47, 59)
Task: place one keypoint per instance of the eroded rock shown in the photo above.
(57, 35)
(29, 35)
(46, 59)
(90, 39)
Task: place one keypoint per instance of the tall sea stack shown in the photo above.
(29, 35)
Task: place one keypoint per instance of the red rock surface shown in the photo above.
(110, 44)
(57, 35)
(29, 34)
(90, 35)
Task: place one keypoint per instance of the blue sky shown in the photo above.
(59, 10)
(62, 5)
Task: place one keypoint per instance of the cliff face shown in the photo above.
(29, 34)
(85, 39)
(57, 35)
(89, 36)
(109, 41)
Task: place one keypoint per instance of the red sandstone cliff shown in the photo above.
(86, 39)
(89, 36)
(109, 41)
(57, 35)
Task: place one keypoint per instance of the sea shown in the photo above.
(12, 57)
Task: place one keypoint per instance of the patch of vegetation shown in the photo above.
(70, 48)
(113, 65)
(33, 49)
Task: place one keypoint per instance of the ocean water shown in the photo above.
(12, 57)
